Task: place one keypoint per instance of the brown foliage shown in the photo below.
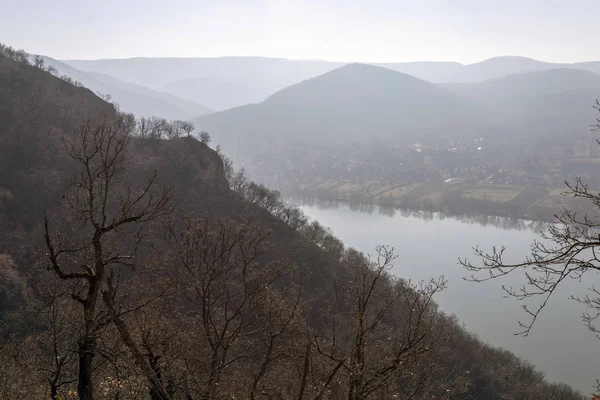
(242, 297)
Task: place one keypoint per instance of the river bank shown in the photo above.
(451, 198)
(428, 244)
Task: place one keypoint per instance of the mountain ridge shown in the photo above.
(341, 111)
(253, 79)
(346, 104)
(560, 98)
(132, 98)
(192, 108)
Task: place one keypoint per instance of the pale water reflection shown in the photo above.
(429, 244)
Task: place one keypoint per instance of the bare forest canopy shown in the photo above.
(135, 263)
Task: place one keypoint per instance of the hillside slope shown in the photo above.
(550, 101)
(34, 170)
(191, 108)
(37, 110)
(133, 98)
(529, 84)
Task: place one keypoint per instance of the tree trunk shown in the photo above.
(87, 345)
(352, 391)
(158, 391)
(53, 392)
(214, 375)
(154, 393)
(305, 371)
(85, 384)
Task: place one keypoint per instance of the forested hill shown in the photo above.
(37, 110)
(356, 102)
(200, 284)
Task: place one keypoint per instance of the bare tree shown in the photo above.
(106, 97)
(159, 128)
(44, 363)
(158, 390)
(20, 56)
(239, 182)
(567, 249)
(38, 62)
(238, 314)
(177, 129)
(129, 123)
(102, 205)
(144, 127)
(205, 137)
(52, 70)
(56, 348)
(188, 127)
(387, 336)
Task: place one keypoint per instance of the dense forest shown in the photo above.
(135, 263)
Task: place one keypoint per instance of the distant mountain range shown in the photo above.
(307, 101)
(493, 68)
(133, 98)
(226, 82)
(347, 110)
(218, 83)
(541, 102)
(496, 67)
(359, 107)
(360, 102)
(356, 102)
(301, 110)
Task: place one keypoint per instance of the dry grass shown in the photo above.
(326, 184)
(497, 193)
(397, 192)
(554, 199)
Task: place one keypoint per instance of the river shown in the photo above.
(429, 245)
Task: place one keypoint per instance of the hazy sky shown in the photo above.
(338, 30)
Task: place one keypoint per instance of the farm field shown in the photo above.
(496, 193)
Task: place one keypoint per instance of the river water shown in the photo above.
(429, 245)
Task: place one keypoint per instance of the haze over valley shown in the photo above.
(500, 126)
(289, 200)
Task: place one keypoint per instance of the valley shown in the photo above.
(197, 227)
(501, 139)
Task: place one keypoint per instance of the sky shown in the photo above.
(465, 31)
